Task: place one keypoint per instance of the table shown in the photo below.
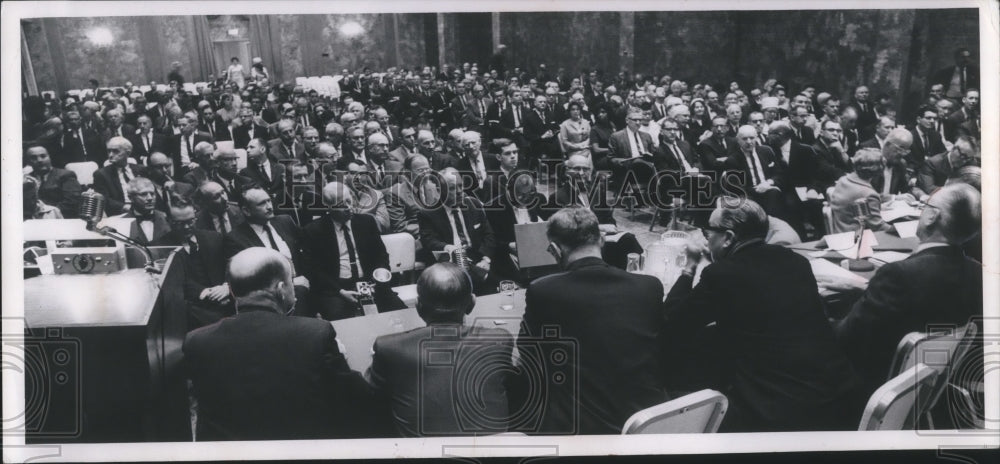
(358, 334)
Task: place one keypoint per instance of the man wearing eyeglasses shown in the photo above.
(831, 149)
(343, 249)
(776, 352)
(937, 169)
(205, 289)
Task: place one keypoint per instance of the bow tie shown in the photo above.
(143, 218)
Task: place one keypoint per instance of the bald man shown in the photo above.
(343, 249)
(265, 375)
(112, 180)
(763, 178)
(287, 144)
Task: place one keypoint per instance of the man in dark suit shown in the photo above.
(212, 124)
(797, 118)
(114, 125)
(384, 170)
(958, 78)
(632, 151)
(248, 130)
(511, 123)
(78, 143)
(777, 353)
(287, 145)
(802, 168)
(865, 109)
(830, 148)
(111, 180)
(926, 141)
(239, 363)
(181, 147)
(344, 249)
(603, 391)
(717, 149)
(150, 224)
(897, 180)
(263, 229)
(146, 141)
(937, 169)
(218, 166)
(969, 109)
(474, 166)
(215, 212)
(936, 285)
(168, 191)
(264, 171)
(459, 104)
(461, 223)
(519, 203)
(541, 130)
(57, 187)
(205, 289)
(763, 178)
(422, 401)
(474, 118)
(582, 188)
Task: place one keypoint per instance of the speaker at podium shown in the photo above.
(105, 323)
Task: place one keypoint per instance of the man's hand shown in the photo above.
(695, 248)
(450, 248)
(617, 161)
(840, 284)
(484, 265)
(217, 294)
(837, 146)
(350, 295)
(512, 246)
(192, 165)
(906, 197)
(705, 136)
(301, 281)
(764, 186)
(547, 134)
(608, 228)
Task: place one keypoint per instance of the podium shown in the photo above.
(105, 349)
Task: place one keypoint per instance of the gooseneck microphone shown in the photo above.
(92, 211)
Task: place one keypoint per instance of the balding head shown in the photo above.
(953, 215)
(260, 273)
(444, 294)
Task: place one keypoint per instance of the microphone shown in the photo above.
(91, 208)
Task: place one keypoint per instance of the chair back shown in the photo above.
(402, 249)
(937, 350)
(894, 405)
(698, 412)
(84, 171)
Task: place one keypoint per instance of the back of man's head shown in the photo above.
(573, 228)
(258, 269)
(959, 211)
(444, 294)
(743, 216)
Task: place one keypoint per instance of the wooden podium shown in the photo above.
(109, 349)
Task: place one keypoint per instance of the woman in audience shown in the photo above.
(574, 133)
(701, 121)
(854, 194)
(235, 73)
(258, 72)
(600, 135)
(228, 109)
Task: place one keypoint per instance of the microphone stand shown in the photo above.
(110, 232)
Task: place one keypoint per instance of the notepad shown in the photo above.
(822, 267)
(897, 209)
(906, 229)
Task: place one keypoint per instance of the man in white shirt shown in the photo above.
(150, 224)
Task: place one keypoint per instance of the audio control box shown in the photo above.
(97, 260)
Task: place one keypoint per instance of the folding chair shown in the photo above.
(938, 351)
(698, 412)
(894, 405)
(84, 171)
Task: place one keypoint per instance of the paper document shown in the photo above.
(822, 267)
(906, 229)
(889, 256)
(806, 193)
(845, 244)
(898, 209)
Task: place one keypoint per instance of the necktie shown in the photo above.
(677, 154)
(190, 149)
(463, 101)
(381, 173)
(224, 226)
(638, 143)
(263, 172)
(270, 237)
(83, 146)
(460, 226)
(126, 174)
(351, 253)
(923, 138)
(517, 117)
(192, 246)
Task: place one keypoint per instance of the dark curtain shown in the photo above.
(313, 61)
(150, 40)
(200, 47)
(265, 43)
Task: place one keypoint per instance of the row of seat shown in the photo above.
(326, 86)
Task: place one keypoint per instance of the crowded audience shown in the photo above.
(454, 159)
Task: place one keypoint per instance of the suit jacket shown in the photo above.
(848, 190)
(505, 127)
(421, 401)
(242, 136)
(830, 157)
(204, 267)
(319, 242)
(107, 183)
(62, 190)
(664, 158)
(400, 154)
(805, 135)
(240, 364)
(711, 149)
(805, 168)
(91, 148)
(944, 77)
(435, 230)
(474, 118)
(500, 213)
(773, 170)
(535, 127)
(620, 146)
(160, 227)
(243, 237)
(613, 319)
(275, 186)
(569, 195)
(970, 128)
(938, 285)
(235, 188)
(204, 220)
(781, 361)
(934, 173)
(919, 152)
(277, 151)
(125, 129)
(899, 183)
(173, 147)
(139, 151)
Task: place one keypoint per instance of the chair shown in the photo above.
(698, 412)
(828, 218)
(84, 171)
(937, 350)
(894, 405)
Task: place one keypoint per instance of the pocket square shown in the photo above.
(476, 226)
